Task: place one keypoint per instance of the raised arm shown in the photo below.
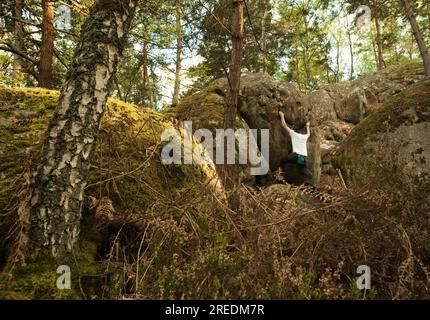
(284, 124)
(308, 128)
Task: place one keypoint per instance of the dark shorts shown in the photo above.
(295, 169)
(294, 158)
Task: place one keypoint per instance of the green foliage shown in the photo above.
(259, 35)
(306, 43)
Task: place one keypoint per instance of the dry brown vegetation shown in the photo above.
(276, 247)
(157, 232)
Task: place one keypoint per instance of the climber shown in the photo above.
(300, 150)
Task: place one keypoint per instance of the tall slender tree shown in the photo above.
(233, 95)
(379, 43)
(18, 34)
(418, 35)
(47, 47)
(351, 48)
(179, 45)
(145, 70)
(56, 192)
(263, 38)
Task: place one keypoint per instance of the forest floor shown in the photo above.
(165, 232)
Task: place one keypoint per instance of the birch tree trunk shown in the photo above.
(57, 190)
(47, 47)
(418, 36)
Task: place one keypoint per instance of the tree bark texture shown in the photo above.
(179, 45)
(57, 190)
(418, 36)
(18, 34)
(233, 95)
(47, 47)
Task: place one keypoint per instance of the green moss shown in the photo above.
(205, 108)
(392, 115)
(127, 138)
(38, 279)
(409, 107)
(126, 168)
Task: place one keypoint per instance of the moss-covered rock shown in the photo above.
(394, 141)
(261, 99)
(348, 103)
(128, 149)
(37, 279)
(126, 168)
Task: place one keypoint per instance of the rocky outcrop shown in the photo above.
(129, 137)
(334, 110)
(392, 145)
(351, 101)
(261, 99)
(337, 108)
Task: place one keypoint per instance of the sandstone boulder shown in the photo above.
(261, 99)
(392, 144)
(337, 108)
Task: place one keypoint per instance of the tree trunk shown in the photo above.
(351, 49)
(306, 59)
(177, 88)
(381, 63)
(146, 87)
(337, 61)
(327, 66)
(298, 75)
(374, 49)
(230, 179)
(56, 192)
(263, 41)
(18, 35)
(47, 47)
(418, 36)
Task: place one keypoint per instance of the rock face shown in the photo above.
(334, 110)
(261, 100)
(392, 144)
(337, 108)
(129, 136)
(351, 101)
(262, 97)
(355, 106)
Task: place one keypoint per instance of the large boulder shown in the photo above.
(261, 99)
(392, 144)
(354, 107)
(205, 110)
(126, 164)
(322, 106)
(336, 108)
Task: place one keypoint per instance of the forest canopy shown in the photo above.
(176, 47)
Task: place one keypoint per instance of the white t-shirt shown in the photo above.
(299, 142)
